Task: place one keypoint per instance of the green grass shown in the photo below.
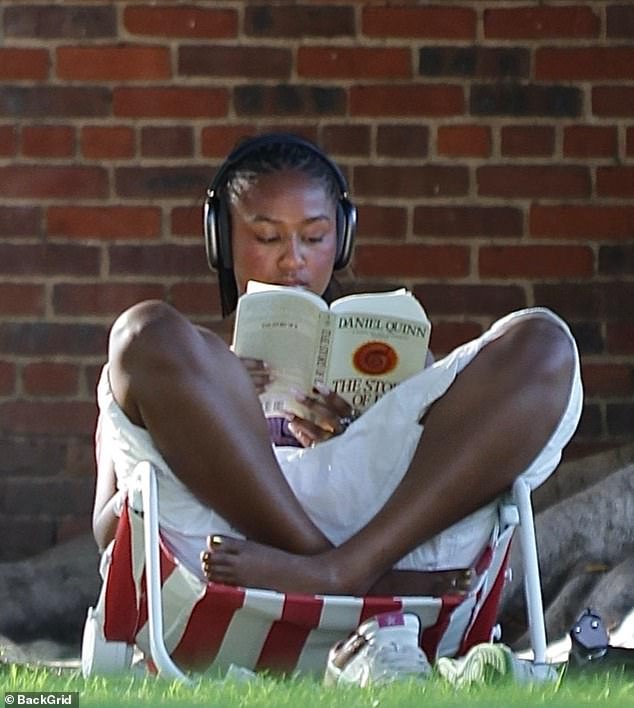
(610, 689)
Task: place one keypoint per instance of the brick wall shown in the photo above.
(489, 146)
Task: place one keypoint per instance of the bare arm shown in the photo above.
(104, 519)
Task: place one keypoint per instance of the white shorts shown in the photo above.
(342, 483)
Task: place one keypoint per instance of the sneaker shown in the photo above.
(383, 649)
(488, 663)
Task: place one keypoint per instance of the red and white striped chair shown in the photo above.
(180, 624)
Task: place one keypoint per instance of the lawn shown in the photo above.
(609, 689)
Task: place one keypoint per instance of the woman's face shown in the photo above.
(284, 232)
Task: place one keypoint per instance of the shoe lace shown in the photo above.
(393, 659)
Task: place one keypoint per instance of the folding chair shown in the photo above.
(152, 604)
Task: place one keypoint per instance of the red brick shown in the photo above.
(616, 260)
(105, 222)
(412, 100)
(468, 221)
(584, 63)
(284, 100)
(235, 61)
(347, 139)
(50, 379)
(20, 221)
(44, 102)
(489, 300)
(189, 21)
(48, 182)
(53, 22)
(44, 339)
(620, 21)
(101, 298)
(186, 221)
(385, 222)
(8, 140)
(437, 22)
(410, 181)
(162, 181)
(597, 300)
(109, 142)
(535, 262)
(474, 62)
(411, 261)
(171, 102)
(527, 140)
(615, 181)
(629, 142)
(590, 141)
(354, 62)
(541, 22)
(22, 299)
(7, 378)
(219, 140)
(607, 380)
(195, 298)
(49, 259)
(106, 63)
(620, 335)
(48, 141)
(465, 140)
(402, 141)
(447, 335)
(169, 141)
(158, 260)
(48, 418)
(613, 101)
(528, 181)
(300, 21)
(572, 221)
(24, 64)
(525, 100)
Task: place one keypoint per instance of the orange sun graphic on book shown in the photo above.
(375, 358)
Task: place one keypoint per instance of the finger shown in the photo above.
(333, 400)
(308, 433)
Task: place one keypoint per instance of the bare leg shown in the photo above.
(478, 438)
(201, 409)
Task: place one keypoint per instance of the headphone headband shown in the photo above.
(216, 217)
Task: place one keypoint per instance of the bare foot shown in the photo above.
(248, 564)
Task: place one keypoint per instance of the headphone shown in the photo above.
(217, 219)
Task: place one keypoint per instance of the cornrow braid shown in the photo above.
(278, 157)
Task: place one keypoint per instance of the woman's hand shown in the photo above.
(259, 372)
(330, 415)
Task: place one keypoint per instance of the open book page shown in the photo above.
(281, 327)
(378, 340)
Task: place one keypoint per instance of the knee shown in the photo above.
(149, 328)
(545, 350)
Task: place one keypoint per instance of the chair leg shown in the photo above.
(100, 657)
(532, 583)
(160, 655)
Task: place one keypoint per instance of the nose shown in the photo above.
(292, 255)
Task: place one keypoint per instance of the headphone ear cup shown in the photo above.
(346, 227)
(210, 231)
(223, 235)
(217, 230)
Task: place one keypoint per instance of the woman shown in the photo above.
(406, 490)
